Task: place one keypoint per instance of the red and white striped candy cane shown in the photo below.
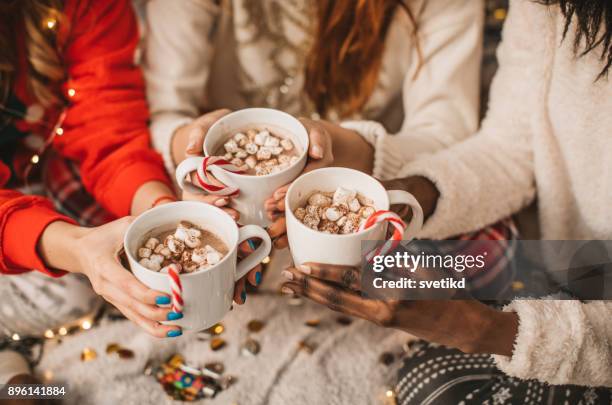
(399, 227)
(206, 181)
(176, 288)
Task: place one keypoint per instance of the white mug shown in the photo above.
(254, 190)
(309, 245)
(207, 294)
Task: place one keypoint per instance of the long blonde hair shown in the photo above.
(41, 23)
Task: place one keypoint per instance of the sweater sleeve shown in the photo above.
(23, 219)
(490, 175)
(105, 129)
(561, 342)
(441, 102)
(178, 56)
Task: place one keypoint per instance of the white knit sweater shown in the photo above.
(202, 56)
(548, 132)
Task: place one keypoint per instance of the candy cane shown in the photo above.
(398, 231)
(176, 288)
(205, 180)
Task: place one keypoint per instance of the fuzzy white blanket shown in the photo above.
(343, 369)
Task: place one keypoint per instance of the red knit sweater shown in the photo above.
(105, 129)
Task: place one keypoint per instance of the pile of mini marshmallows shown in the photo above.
(260, 151)
(183, 247)
(340, 212)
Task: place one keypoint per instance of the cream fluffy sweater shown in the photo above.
(548, 132)
(204, 54)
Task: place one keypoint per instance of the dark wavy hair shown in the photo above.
(594, 27)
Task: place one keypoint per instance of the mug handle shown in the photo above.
(416, 223)
(182, 171)
(252, 260)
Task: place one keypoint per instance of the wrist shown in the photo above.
(178, 144)
(150, 194)
(58, 246)
(423, 189)
(494, 332)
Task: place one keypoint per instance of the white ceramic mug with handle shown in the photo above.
(309, 245)
(254, 190)
(207, 294)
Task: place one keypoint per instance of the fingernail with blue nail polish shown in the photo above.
(173, 316)
(243, 296)
(162, 300)
(258, 277)
(174, 333)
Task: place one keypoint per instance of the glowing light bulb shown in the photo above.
(16, 337)
(59, 131)
(50, 23)
(49, 334)
(63, 331)
(266, 260)
(35, 159)
(86, 325)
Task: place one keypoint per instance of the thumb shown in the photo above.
(317, 139)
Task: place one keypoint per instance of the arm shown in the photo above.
(561, 342)
(441, 103)
(490, 175)
(105, 129)
(178, 56)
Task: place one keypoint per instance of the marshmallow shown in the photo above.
(250, 162)
(237, 162)
(363, 200)
(261, 137)
(230, 146)
(294, 159)
(251, 133)
(333, 214)
(262, 170)
(156, 259)
(151, 265)
(272, 141)
(165, 252)
(284, 159)
(228, 156)
(343, 195)
(352, 223)
(190, 267)
(329, 227)
(241, 153)
(271, 162)
(311, 221)
(300, 213)
(152, 243)
(319, 199)
(251, 148)
(264, 153)
(175, 245)
(354, 205)
(366, 212)
(192, 241)
(144, 252)
(198, 255)
(313, 210)
(340, 222)
(159, 248)
(194, 232)
(241, 139)
(213, 258)
(287, 144)
(277, 150)
(181, 233)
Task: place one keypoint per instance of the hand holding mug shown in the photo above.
(93, 252)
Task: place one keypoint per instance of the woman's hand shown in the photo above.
(93, 252)
(467, 325)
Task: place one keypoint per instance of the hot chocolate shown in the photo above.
(339, 212)
(187, 245)
(260, 151)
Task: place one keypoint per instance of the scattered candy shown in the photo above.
(250, 347)
(112, 348)
(313, 323)
(88, 354)
(216, 329)
(125, 354)
(217, 343)
(255, 325)
(307, 347)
